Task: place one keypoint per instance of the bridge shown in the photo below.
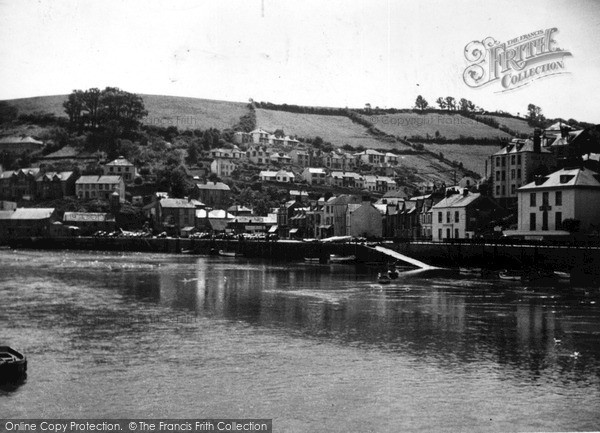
(398, 256)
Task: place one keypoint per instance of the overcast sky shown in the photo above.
(328, 53)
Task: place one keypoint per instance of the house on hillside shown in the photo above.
(545, 203)
(223, 167)
(300, 157)
(121, 167)
(240, 137)
(276, 176)
(280, 158)
(258, 154)
(380, 184)
(101, 187)
(462, 216)
(370, 156)
(260, 136)
(346, 179)
(54, 185)
(314, 176)
(19, 184)
(18, 145)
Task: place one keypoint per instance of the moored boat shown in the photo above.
(383, 278)
(13, 365)
(334, 258)
(471, 271)
(511, 275)
(229, 253)
(562, 275)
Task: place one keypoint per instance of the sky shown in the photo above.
(325, 53)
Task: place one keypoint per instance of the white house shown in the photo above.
(379, 183)
(315, 176)
(260, 136)
(276, 176)
(460, 216)
(565, 194)
(370, 156)
(346, 179)
(258, 154)
(222, 167)
(121, 167)
(99, 187)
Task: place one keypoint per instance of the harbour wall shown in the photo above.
(494, 256)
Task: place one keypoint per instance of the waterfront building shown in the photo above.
(516, 164)
(121, 167)
(172, 214)
(334, 212)
(101, 187)
(544, 204)
(363, 220)
(213, 194)
(461, 216)
(90, 222)
(26, 222)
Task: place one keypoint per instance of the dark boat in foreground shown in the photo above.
(13, 365)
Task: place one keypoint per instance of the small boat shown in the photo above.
(13, 365)
(312, 259)
(393, 273)
(334, 258)
(510, 275)
(562, 275)
(229, 253)
(471, 271)
(383, 278)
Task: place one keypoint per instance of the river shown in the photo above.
(314, 347)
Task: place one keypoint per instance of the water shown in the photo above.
(313, 347)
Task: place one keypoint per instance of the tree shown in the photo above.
(421, 103)
(8, 112)
(571, 225)
(441, 102)
(450, 103)
(534, 115)
(465, 105)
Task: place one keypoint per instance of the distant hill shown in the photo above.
(185, 113)
(195, 113)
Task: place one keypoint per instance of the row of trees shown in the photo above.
(448, 103)
(111, 108)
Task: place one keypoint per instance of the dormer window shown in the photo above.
(565, 178)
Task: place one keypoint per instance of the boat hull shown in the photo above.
(13, 365)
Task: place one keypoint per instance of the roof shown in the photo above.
(315, 170)
(63, 175)
(214, 214)
(213, 186)
(30, 171)
(566, 178)
(30, 213)
(179, 203)
(458, 200)
(218, 223)
(88, 216)
(64, 152)
(345, 174)
(120, 161)
(238, 208)
(557, 125)
(519, 146)
(259, 130)
(20, 140)
(98, 179)
(343, 199)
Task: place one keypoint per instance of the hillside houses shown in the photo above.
(101, 187)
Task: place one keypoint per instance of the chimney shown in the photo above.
(465, 192)
(537, 140)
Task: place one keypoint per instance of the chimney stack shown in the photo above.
(537, 140)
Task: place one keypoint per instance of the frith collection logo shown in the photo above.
(515, 63)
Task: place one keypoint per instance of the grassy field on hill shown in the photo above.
(451, 126)
(338, 130)
(185, 113)
(472, 156)
(518, 125)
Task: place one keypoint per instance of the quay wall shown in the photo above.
(493, 256)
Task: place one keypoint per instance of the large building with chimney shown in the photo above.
(516, 165)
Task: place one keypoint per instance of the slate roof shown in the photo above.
(27, 214)
(98, 179)
(566, 178)
(457, 200)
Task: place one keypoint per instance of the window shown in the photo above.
(503, 190)
(513, 189)
(448, 233)
(558, 221)
(448, 217)
(456, 216)
(518, 173)
(512, 173)
(558, 199)
(503, 161)
(503, 175)
(497, 189)
(440, 234)
(545, 198)
(545, 220)
(497, 162)
(518, 159)
(456, 233)
(498, 175)
(532, 222)
(512, 160)
(532, 200)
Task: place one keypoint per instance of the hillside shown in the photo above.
(338, 130)
(185, 113)
(450, 126)
(472, 156)
(518, 125)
